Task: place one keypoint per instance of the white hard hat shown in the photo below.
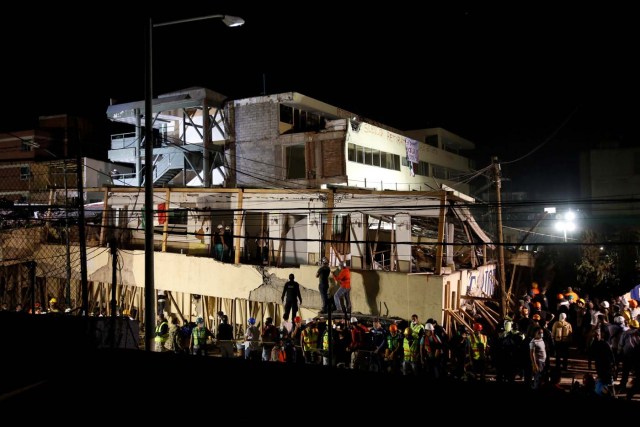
(429, 327)
(605, 304)
(354, 320)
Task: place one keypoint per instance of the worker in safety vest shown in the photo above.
(161, 333)
(478, 348)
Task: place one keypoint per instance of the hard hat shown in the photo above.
(570, 297)
(582, 300)
(252, 320)
(393, 327)
(562, 316)
(618, 320)
(53, 301)
(297, 319)
(354, 320)
(534, 285)
(477, 327)
(508, 324)
(125, 312)
(325, 260)
(633, 303)
(605, 304)
(560, 296)
(407, 332)
(429, 327)
(226, 227)
(219, 226)
(634, 323)
(199, 320)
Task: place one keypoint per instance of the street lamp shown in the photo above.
(150, 293)
(565, 223)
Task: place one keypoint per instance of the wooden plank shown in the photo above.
(441, 225)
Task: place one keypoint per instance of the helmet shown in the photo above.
(570, 297)
(199, 320)
(477, 327)
(429, 327)
(252, 320)
(618, 320)
(534, 285)
(582, 301)
(354, 320)
(226, 227)
(219, 226)
(508, 324)
(393, 327)
(633, 303)
(343, 264)
(536, 316)
(325, 260)
(605, 304)
(560, 296)
(53, 301)
(634, 323)
(407, 332)
(297, 319)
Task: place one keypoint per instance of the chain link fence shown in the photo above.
(39, 235)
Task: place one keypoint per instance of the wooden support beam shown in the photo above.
(441, 225)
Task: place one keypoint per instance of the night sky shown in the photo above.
(504, 77)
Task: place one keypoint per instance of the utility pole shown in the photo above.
(502, 277)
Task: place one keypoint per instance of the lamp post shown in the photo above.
(150, 293)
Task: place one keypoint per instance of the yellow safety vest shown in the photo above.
(161, 338)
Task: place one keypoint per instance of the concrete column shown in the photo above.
(403, 241)
(358, 240)
(206, 145)
(314, 234)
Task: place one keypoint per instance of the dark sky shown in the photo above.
(504, 77)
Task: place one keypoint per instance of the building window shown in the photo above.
(351, 152)
(25, 173)
(439, 172)
(296, 167)
(431, 140)
(179, 216)
(375, 155)
(286, 114)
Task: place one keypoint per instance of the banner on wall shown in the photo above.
(480, 282)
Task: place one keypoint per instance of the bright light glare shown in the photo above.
(560, 226)
(570, 226)
(570, 216)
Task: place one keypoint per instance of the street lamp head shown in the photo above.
(232, 21)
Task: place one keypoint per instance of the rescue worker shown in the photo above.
(323, 274)
(431, 351)
(309, 342)
(411, 352)
(53, 306)
(478, 348)
(161, 333)
(343, 278)
(198, 340)
(290, 297)
(252, 341)
(393, 352)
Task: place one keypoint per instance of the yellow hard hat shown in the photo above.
(53, 301)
